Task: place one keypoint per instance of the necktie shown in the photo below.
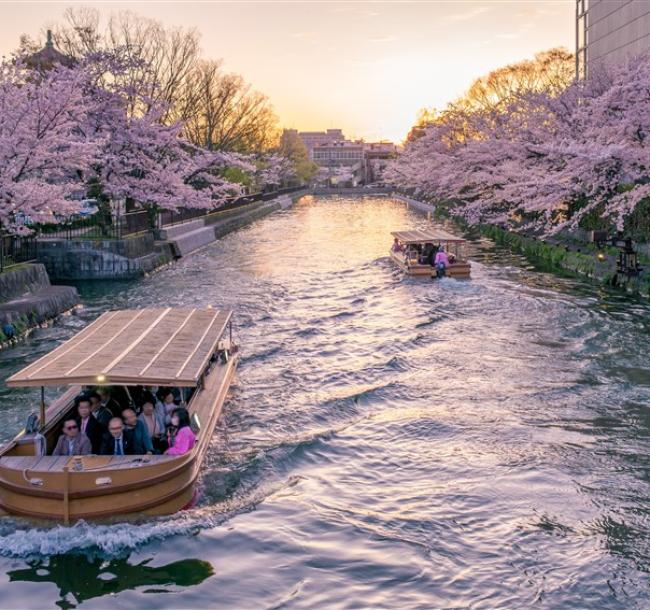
(118, 447)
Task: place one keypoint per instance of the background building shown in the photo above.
(318, 138)
(362, 161)
(610, 31)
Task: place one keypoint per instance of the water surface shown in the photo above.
(389, 442)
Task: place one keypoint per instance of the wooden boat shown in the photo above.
(413, 243)
(183, 348)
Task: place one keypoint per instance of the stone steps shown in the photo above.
(183, 244)
(173, 231)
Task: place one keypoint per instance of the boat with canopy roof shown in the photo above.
(412, 250)
(185, 348)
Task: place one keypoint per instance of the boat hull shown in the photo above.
(459, 270)
(103, 487)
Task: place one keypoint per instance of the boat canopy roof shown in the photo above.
(423, 237)
(165, 346)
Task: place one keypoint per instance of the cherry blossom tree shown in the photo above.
(143, 159)
(45, 155)
(547, 160)
(274, 170)
(68, 126)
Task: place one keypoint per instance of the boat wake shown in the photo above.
(21, 540)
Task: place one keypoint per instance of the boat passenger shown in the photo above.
(88, 425)
(140, 394)
(115, 441)
(155, 425)
(72, 442)
(181, 437)
(442, 262)
(138, 431)
(397, 247)
(99, 411)
(166, 405)
(109, 402)
(429, 254)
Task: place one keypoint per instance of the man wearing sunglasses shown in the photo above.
(72, 441)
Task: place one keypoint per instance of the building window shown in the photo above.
(582, 37)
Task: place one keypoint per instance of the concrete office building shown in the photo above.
(312, 139)
(611, 31)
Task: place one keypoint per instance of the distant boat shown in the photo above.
(415, 245)
(182, 348)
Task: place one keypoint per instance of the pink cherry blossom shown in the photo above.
(545, 161)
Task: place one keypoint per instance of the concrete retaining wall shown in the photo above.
(420, 206)
(28, 299)
(359, 190)
(136, 256)
(100, 259)
(22, 280)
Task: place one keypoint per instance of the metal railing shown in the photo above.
(168, 218)
(15, 249)
(99, 226)
(104, 225)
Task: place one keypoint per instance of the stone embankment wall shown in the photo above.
(356, 190)
(27, 299)
(86, 259)
(138, 255)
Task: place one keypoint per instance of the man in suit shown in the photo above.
(109, 402)
(116, 441)
(138, 431)
(72, 442)
(99, 411)
(88, 425)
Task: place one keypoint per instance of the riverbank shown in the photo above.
(136, 256)
(29, 300)
(580, 259)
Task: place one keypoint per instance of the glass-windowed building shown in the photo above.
(610, 30)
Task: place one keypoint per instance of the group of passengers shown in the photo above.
(101, 426)
(427, 254)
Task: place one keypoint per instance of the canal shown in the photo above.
(389, 443)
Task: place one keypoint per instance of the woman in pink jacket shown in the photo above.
(441, 262)
(180, 436)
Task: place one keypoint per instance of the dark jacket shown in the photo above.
(103, 415)
(141, 439)
(94, 432)
(114, 407)
(81, 445)
(108, 443)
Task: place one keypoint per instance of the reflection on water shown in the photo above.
(389, 443)
(80, 578)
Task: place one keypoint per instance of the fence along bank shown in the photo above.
(130, 245)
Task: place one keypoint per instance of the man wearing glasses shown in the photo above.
(116, 442)
(72, 442)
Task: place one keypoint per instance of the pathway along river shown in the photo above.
(391, 443)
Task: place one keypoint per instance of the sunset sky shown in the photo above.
(367, 67)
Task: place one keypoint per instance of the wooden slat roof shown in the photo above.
(430, 235)
(133, 347)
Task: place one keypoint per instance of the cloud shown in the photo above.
(539, 11)
(304, 35)
(384, 38)
(525, 28)
(467, 15)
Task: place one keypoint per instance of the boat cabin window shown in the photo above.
(99, 411)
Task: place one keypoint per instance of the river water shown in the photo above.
(389, 442)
